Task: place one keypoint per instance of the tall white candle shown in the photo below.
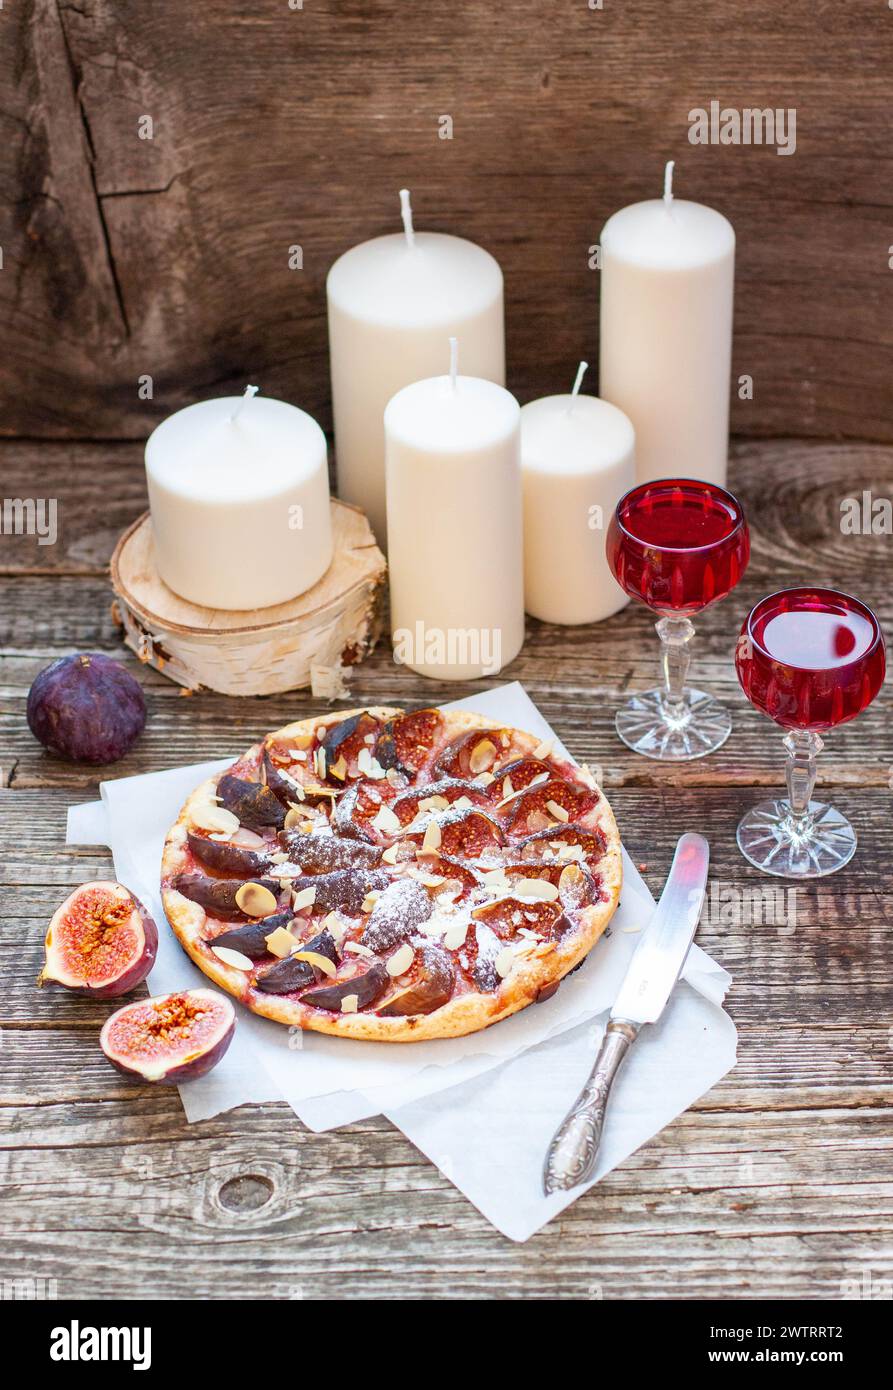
(454, 525)
(393, 302)
(577, 461)
(667, 282)
(239, 494)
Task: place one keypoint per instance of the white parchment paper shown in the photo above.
(482, 1108)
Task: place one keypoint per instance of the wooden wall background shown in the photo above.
(276, 126)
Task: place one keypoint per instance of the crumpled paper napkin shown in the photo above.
(483, 1108)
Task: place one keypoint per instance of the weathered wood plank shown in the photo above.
(168, 257)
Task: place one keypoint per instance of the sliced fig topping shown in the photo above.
(253, 803)
(346, 740)
(402, 907)
(555, 802)
(507, 915)
(290, 974)
(218, 895)
(171, 1038)
(406, 741)
(287, 789)
(320, 854)
(251, 939)
(367, 986)
(447, 789)
(539, 846)
(100, 942)
(481, 956)
(574, 883)
(356, 807)
(516, 776)
(344, 890)
(468, 833)
(479, 751)
(227, 858)
(453, 869)
(430, 987)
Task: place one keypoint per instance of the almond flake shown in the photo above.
(369, 902)
(484, 779)
(557, 811)
(364, 760)
(208, 817)
(356, 948)
(507, 788)
(431, 842)
(400, 961)
(255, 900)
(280, 857)
(339, 769)
(298, 755)
(300, 794)
(539, 889)
(335, 927)
(315, 959)
(454, 936)
(426, 880)
(321, 732)
(434, 803)
(233, 958)
(483, 756)
(349, 1003)
(281, 943)
(463, 804)
(385, 821)
(293, 818)
(389, 856)
(544, 749)
(505, 962)
(304, 897)
(368, 738)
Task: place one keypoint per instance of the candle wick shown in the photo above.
(454, 361)
(581, 371)
(668, 183)
(406, 214)
(250, 391)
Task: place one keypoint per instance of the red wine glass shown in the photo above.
(810, 659)
(677, 545)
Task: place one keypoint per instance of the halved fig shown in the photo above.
(482, 953)
(347, 739)
(507, 915)
(515, 777)
(430, 987)
(356, 807)
(287, 975)
(343, 890)
(406, 741)
(402, 907)
(253, 803)
(367, 986)
(450, 789)
(227, 858)
(251, 939)
(537, 804)
(467, 833)
(537, 846)
(218, 895)
(171, 1038)
(100, 942)
(320, 854)
(479, 751)
(453, 869)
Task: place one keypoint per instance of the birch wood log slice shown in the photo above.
(305, 642)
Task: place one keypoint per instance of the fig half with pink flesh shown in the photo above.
(227, 858)
(429, 989)
(101, 941)
(171, 1038)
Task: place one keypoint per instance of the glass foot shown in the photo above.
(698, 725)
(819, 843)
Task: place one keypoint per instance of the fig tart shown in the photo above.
(393, 876)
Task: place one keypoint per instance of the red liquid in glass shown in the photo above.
(678, 545)
(811, 658)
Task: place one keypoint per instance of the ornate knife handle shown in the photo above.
(572, 1153)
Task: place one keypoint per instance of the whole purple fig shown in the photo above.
(87, 708)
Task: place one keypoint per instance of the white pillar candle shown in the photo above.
(393, 302)
(239, 493)
(577, 461)
(667, 281)
(454, 523)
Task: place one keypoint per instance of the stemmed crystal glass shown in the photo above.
(810, 659)
(676, 545)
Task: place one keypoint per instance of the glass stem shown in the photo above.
(804, 746)
(675, 635)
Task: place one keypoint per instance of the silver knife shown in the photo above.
(651, 975)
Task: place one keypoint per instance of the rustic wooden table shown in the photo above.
(778, 1183)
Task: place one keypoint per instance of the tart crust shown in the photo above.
(464, 1013)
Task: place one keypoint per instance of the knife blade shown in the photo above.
(649, 981)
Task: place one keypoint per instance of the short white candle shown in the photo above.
(667, 284)
(393, 303)
(577, 461)
(239, 494)
(454, 525)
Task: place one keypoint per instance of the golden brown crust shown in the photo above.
(465, 1013)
